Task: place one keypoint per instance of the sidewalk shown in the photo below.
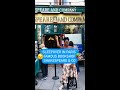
(51, 84)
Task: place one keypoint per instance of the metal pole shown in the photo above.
(55, 70)
(55, 77)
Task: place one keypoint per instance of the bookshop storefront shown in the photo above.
(69, 21)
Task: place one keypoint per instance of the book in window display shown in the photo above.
(71, 29)
(47, 28)
(39, 30)
(66, 29)
(36, 46)
(39, 39)
(39, 34)
(55, 28)
(76, 29)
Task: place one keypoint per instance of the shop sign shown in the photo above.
(59, 18)
(59, 9)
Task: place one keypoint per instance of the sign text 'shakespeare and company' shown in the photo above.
(60, 18)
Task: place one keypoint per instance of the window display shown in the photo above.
(71, 29)
(36, 46)
(39, 34)
(47, 28)
(55, 28)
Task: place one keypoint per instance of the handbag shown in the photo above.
(72, 82)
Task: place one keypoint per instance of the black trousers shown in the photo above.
(44, 68)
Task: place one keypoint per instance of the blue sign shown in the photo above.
(80, 47)
(59, 56)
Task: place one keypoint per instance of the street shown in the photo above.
(51, 84)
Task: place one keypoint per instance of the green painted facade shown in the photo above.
(60, 28)
(59, 9)
(54, 9)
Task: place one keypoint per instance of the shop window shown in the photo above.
(44, 2)
(39, 34)
(74, 2)
(47, 29)
(55, 29)
(72, 29)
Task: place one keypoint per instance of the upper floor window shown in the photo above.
(63, 2)
(74, 2)
(44, 2)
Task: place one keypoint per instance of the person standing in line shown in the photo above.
(44, 67)
(66, 44)
(71, 45)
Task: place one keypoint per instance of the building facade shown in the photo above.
(61, 18)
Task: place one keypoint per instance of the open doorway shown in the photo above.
(50, 41)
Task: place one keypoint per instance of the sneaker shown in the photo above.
(44, 78)
(61, 87)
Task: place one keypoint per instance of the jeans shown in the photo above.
(44, 68)
(78, 67)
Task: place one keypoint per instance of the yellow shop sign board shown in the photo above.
(59, 18)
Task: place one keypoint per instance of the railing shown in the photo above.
(81, 3)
